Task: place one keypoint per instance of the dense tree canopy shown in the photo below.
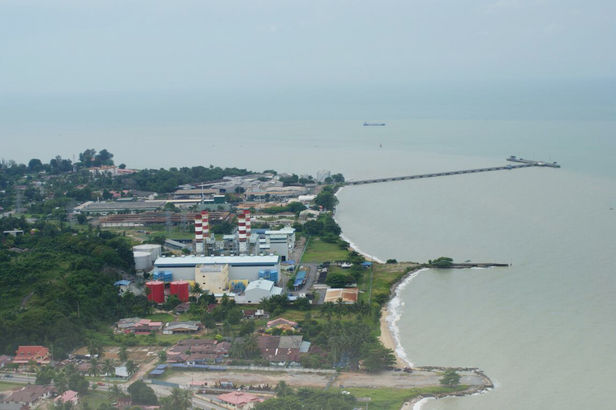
(60, 284)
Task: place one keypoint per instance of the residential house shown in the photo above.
(38, 354)
(67, 396)
(30, 394)
(280, 350)
(283, 324)
(240, 400)
(174, 328)
(4, 360)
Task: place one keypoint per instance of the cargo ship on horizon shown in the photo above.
(374, 124)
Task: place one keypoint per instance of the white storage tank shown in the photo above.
(155, 251)
(142, 260)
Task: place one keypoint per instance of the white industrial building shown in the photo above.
(258, 290)
(240, 267)
(279, 242)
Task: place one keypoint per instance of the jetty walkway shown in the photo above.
(524, 163)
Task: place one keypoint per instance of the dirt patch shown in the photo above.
(253, 378)
(137, 354)
(400, 380)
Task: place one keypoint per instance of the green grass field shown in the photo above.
(393, 399)
(160, 317)
(319, 251)
(4, 386)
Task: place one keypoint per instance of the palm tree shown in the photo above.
(283, 389)
(94, 370)
(108, 368)
(115, 393)
(60, 383)
(178, 400)
(251, 345)
(237, 350)
(123, 355)
(131, 367)
(327, 310)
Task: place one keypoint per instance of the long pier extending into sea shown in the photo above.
(524, 163)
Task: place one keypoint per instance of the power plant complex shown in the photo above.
(244, 265)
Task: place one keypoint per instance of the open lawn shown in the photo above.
(160, 317)
(319, 251)
(393, 399)
(10, 386)
(383, 278)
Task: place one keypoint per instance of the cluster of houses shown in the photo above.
(140, 326)
(198, 351)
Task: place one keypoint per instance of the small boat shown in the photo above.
(374, 124)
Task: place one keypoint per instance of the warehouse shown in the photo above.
(240, 267)
(258, 290)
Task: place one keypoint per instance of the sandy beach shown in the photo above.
(387, 338)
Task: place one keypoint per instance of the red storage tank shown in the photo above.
(157, 291)
(181, 289)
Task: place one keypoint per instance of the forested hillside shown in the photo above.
(55, 284)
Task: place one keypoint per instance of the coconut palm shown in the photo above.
(182, 399)
(251, 345)
(115, 393)
(108, 368)
(94, 367)
(123, 355)
(131, 367)
(283, 389)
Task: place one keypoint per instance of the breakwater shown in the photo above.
(469, 265)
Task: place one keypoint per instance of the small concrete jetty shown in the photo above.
(469, 265)
(523, 163)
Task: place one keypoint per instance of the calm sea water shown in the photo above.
(543, 329)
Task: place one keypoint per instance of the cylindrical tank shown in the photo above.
(157, 291)
(155, 251)
(142, 260)
(181, 289)
(168, 276)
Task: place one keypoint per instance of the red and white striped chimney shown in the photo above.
(241, 226)
(248, 230)
(206, 223)
(198, 234)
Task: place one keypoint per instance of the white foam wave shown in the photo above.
(356, 249)
(395, 313)
(419, 405)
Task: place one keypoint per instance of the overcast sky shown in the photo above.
(107, 46)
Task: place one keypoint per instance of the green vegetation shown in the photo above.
(443, 261)
(59, 288)
(307, 399)
(9, 386)
(319, 251)
(160, 317)
(392, 399)
(450, 378)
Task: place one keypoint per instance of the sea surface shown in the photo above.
(542, 329)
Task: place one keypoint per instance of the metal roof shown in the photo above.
(221, 260)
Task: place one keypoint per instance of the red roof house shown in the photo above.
(240, 400)
(39, 354)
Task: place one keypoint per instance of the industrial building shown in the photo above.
(213, 278)
(258, 290)
(240, 267)
(279, 242)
